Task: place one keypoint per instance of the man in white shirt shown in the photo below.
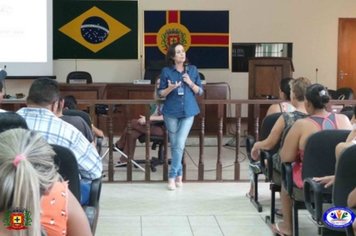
(42, 101)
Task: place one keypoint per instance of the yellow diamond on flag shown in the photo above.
(94, 29)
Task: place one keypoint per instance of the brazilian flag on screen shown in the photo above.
(95, 29)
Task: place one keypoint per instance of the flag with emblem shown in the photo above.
(95, 29)
(204, 34)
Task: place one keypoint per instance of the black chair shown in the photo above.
(345, 93)
(79, 77)
(157, 141)
(333, 94)
(153, 70)
(68, 169)
(266, 127)
(345, 180)
(319, 160)
(86, 117)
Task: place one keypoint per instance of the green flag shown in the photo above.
(95, 29)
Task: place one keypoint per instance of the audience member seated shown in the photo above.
(284, 94)
(351, 140)
(292, 150)
(282, 125)
(70, 103)
(42, 101)
(27, 169)
(76, 121)
(127, 142)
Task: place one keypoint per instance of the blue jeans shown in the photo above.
(178, 130)
(85, 186)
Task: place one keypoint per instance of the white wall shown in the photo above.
(311, 25)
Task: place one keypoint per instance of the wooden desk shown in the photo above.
(141, 91)
(12, 104)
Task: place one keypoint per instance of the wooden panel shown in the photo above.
(346, 69)
(267, 79)
(83, 91)
(265, 74)
(132, 91)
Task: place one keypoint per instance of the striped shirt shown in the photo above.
(57, 131)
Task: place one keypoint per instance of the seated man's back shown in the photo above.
(42, 101)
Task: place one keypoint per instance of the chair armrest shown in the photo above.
(267, 164)
(250, 141)
(99, 144)
(314, 196)
(287, 177)
(92, 214)
(95, 191)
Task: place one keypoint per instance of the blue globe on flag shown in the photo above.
(95, 30)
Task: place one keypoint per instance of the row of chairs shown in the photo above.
(319, 149)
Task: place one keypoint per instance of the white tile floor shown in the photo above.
(197, 209)
(208, 208)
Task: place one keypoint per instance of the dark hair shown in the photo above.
(43, 91)
(318, 95)
(11, 120)
(171, 52)
(1, 85)
(284, 85)
(70, 102)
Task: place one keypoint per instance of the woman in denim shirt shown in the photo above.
(179, 84)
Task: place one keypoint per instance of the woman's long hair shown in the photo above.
(27, 171)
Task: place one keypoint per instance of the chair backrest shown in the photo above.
(79, 77)
(345, 93)
(319, 152)
(68, 168)
(333, 94)
(345, 176)
(85, 116)
(153, 70)
(266, 127)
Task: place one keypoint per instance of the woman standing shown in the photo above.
(179, 84)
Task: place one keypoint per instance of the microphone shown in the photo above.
(186, 67)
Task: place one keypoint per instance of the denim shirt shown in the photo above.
(175, 105)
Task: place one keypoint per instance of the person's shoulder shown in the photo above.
(343, 122)
(274, 108)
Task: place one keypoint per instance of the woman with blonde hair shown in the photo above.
(27, 176)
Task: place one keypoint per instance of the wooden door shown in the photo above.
(346, 67)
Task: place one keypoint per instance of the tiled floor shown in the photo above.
(139, 209)
(208, 208)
